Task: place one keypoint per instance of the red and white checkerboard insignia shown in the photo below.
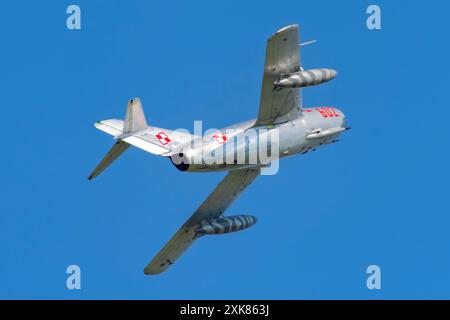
(220, 138)
(163, 138)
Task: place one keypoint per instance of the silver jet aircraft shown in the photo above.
(298, 130)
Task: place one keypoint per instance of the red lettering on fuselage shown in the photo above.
(327, 112)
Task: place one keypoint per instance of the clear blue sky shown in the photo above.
(381, 196)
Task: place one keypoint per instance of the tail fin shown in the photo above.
(134, 122)
(135, 131)
(134, 118)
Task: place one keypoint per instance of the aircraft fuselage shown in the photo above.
(232, 149)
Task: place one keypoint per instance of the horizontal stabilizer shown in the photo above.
(145, 142)
(113, 127)
(117, 149)
(135, 131)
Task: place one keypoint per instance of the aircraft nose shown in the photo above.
(343, 119)
(344, 123)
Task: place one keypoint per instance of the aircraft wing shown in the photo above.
(282, 57)
(213, 207)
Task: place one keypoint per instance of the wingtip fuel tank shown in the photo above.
(306, 78)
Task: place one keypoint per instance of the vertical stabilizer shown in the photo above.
(134, 118)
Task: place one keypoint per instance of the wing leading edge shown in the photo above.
(282, 58)
(213, 207)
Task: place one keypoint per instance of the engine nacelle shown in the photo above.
(306, 78)
(181, 161)
(226, 224)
